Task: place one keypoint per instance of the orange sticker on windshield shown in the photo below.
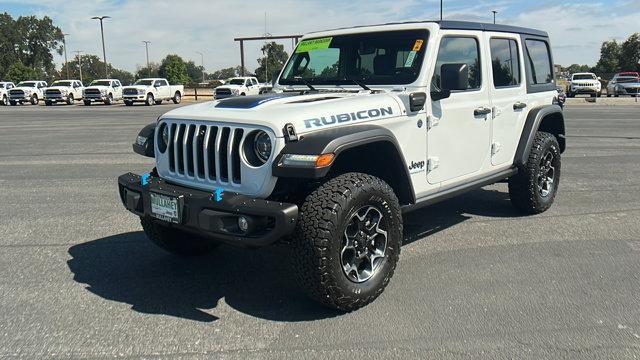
(418, 45)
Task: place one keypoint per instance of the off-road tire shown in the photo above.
(128, 103)
(523, 187)
(175, 241)
(87, 102)
(318, 240)
(177, 98)
(150, 100)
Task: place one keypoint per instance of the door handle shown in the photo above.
(481, 111)
(519, 106)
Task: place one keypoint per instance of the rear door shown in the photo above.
(458, 146)
(508, 95)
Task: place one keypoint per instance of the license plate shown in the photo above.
(164, 207)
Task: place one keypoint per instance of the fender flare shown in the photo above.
(531, 126)
(148, 148)
(337, 141)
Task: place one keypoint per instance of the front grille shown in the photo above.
(631, 90)
(52, 92)
(16, 92)
(130, 92)
(223, 91)
(205, 152)
(92, 91)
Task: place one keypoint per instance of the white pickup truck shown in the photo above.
(5, 86)
(239, 86)
(27, 91)
(63, 91)
(102, 90)
(152, 91)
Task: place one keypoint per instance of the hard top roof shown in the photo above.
(462, 25)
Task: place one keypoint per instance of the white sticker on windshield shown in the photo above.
(410, 59)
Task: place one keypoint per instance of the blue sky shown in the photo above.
(576, 28)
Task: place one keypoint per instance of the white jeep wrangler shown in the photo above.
(367, 123)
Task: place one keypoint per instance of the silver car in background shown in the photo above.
(623, 85)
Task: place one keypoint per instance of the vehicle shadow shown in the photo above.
(127, 268)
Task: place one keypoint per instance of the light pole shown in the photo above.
(201, 64)
(64, 44)
(494, 15)
(441, 5)
(146, 46)
(79, 62)
(104, 52)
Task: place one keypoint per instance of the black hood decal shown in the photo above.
(248, 102)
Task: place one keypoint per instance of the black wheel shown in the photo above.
(158, 102)
(534, 188)
(70, 99)
(347, 241)
(5, 100)
(34, 99)
(177, 98)
(13, 102)
(109, 100)
(149, 101)
(608, 95)
(176, 241)
(48, 103)
(87, 102)
(243, 94)
(128, 103)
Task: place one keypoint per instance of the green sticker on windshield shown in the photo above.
(410, 59)
(313, 44)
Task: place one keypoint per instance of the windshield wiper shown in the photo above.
(359, 83)
(306, 83)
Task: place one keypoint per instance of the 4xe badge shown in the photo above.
(416, 167)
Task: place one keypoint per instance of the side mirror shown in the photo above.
(453, 77)
(599, 78)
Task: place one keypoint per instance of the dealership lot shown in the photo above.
(475, 278)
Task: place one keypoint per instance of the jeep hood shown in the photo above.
(307, 113)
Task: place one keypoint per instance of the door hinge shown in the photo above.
(433, 163)
(495, 148)
(432, 122)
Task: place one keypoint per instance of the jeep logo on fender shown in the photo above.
(416, 167)
(346, 117)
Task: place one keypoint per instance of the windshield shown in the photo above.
(627, 79)
(27, 84)
(584, 77)
(236, 82)
(61, 83)
(379, 58)
(1, 85)
(101, 83)
(144, 82)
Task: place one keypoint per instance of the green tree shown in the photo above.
(194, 72)
(272, 61)
(223, 74)
(19, 72)
(93, 68)
(630, 54)
(143, 72)
(576, 68)
(609, 57)
(174, 69)
(125, 77)
(31, 41)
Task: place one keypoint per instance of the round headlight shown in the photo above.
(164, 138)
(262, 146)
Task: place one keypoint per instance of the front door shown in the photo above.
(459, 133)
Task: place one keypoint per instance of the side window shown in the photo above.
(537, 53)
(158, 83)
(254, 81)
(505, 62)
(459, 50)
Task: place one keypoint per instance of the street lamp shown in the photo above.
(104, 52)
(66, 64)
(146, 45)
(201, 63)
(494, 15)
(441, 6)
(78, 54)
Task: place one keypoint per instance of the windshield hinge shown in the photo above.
(432, 122)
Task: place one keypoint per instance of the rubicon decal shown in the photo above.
(347, 117)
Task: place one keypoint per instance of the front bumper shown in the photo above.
(141, 97)
(20, 97)
(585, 90)
(55, 97)
(199, 213)
(94, 97)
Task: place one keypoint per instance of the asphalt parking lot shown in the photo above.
(475, 278)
